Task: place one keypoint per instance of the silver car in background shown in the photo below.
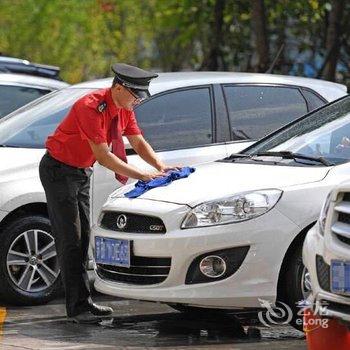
(17, 90)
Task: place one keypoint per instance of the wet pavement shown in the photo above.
(140, 325)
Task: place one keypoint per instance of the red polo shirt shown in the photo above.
(89, 119)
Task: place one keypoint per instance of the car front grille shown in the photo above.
(133, 223)
(344, 217)
(346, 197)
(323, 273)
(341, 219)
(334, 306)
(142, 271)
(343, 239)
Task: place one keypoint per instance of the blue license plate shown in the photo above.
(112, 251)
(340, 276)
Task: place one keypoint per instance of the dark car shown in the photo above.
(17, 65)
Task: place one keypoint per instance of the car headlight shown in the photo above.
(237, 208)
(324, 212)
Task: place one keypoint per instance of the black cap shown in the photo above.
(133, 78)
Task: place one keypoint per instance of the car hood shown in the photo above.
(219, 179)
(19, 163)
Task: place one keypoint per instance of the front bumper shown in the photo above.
(267, 236)
(317, 259)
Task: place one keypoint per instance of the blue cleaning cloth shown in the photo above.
(141, 186)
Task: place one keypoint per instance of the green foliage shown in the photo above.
(84, 37)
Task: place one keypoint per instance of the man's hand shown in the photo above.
(145, 151)
(164, 168)
(150, 176)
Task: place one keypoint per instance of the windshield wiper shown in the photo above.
(291, 155)
(237, 155)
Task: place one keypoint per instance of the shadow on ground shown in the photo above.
(141, 325)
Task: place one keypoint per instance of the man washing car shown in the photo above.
(95, 121)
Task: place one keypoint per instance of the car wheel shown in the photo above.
(29, 269)
(297, 286)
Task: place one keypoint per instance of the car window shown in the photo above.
(13, 97)
(313, 100)
(30, 125)
(255, 111)
(178, 119)
(326, 133)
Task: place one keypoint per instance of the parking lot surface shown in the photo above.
(140, 325)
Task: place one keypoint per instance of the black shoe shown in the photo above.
(86, 317)
(99, 310)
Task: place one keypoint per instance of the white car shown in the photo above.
(16, 90)
(232, 232)
(326, 254)
(191, 118)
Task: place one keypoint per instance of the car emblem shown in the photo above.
(121, 221)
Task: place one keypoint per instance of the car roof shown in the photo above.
(13, 60)
(29, 80)
(21, 66)
(168, 81)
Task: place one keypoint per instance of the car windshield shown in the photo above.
(322, 136)
(29, 126)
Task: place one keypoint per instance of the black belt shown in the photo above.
(47, 154)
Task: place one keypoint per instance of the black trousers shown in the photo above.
(67, 192)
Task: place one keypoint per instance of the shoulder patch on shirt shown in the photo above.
(102, 106)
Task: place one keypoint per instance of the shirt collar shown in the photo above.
(112, 107)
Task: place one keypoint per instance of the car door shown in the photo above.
(179, 124)
(257, 110)
(15, 96)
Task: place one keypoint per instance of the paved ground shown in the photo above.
(139, 325)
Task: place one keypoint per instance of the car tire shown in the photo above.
(26, 279)
(293, 286)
